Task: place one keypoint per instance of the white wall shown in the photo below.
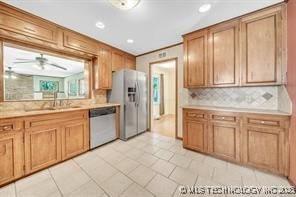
(173, 52)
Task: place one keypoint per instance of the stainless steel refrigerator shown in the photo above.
(129, 89)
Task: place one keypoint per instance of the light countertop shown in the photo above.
(238, 110)
(32, 112)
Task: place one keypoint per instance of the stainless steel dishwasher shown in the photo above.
(102, 126)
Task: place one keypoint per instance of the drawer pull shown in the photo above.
(223, 118)
(262, 122)
(6, 128)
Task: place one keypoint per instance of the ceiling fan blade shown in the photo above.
(23, 59)
(57, 66)
(24, 62)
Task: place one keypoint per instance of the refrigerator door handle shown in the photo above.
(136, 97)
(139, 94)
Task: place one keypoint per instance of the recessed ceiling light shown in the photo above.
(130, 41)
(124, 4)
(204, 8)
(100, 25)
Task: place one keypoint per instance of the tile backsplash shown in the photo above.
(266, 97)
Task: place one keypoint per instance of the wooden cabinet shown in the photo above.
(53, 137)
(11, 156)
(130, 62)
(246, 51)
(224, 54)
(262, 47)
(75, 139)
(195, 60)
(42, 147)
(103, 69)
(261, 141)
(19, 26)
(224, 136)
(117, 61)
(265, 143)
(194, 130)
(79, 42)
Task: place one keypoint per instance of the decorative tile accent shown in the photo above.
(267, 95)
(239, 97)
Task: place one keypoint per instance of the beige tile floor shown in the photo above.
(147, 165)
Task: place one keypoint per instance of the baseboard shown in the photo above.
(291, 182)
(179, 138)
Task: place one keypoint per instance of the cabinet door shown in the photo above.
(117, 61)
(11, 156)
(104, 69)
(23, 27)
(78, 42)
(224, 54)
(130, 63)
(261, 42)
(195, 135)
(264, 148)
(75, 139)
(42, 147)
(223, 141)
(195, 60)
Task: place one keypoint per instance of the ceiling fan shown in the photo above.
(9, 74)
(40, 61)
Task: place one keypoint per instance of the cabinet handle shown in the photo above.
(29, 29)
(223, 118)
(262, 122)
(6, 128)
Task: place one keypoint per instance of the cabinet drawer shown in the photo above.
(78, 42)
(11, 125)
(21, 24)
(195, 115)
(224, 118)
(55, 119)
(274, 123)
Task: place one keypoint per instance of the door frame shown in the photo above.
(176, 92)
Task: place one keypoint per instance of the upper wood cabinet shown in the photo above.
(78, 42)
(224, 54)
(11, 156)
(20, 26)
(130, 62)
(103, 69)
(195, 60)
(246, 51)
(117, 61)
(262, 47)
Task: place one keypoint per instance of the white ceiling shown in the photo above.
(153, 24)
(11, 55)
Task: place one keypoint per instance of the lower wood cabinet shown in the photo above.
(194, 135)
(42, 147)
(49, 139)
(223, 141)
(75, 139)
(260, 141)
(11, 156)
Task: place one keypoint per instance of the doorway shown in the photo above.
(163, 97)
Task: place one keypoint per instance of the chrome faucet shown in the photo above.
(55, 97)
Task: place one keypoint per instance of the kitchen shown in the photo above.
(75, 95)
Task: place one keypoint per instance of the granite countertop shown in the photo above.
(238, 110)
(31, 112)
